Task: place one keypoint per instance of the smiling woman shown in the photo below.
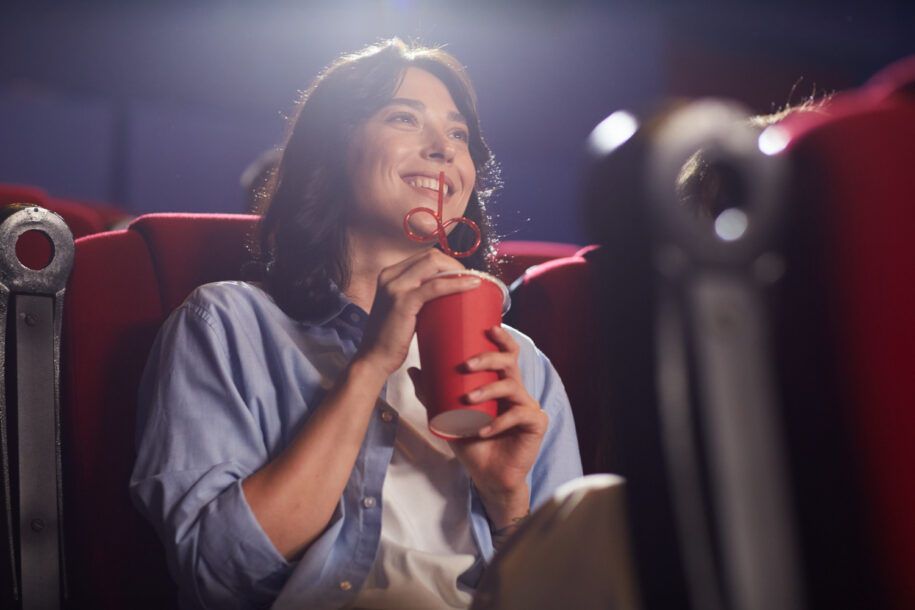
(284, 454)
(303, 238)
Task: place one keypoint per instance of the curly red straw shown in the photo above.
(439, 233)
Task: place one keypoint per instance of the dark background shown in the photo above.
(159, 106)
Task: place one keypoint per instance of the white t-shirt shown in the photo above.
(426, 540)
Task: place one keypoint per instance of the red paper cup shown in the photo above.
(450, 330)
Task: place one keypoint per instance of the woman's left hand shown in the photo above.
(499, 459)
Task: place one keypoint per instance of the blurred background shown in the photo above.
(160, 106)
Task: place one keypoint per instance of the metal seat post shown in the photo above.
(31, 304)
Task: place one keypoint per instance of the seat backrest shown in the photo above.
(515, 256)
(82, 219)
(897, 79)
(123, 286)
(555, 304)
(856, 182)
(21, 193)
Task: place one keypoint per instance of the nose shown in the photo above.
(438, 146)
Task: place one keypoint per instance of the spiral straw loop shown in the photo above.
(440, 232)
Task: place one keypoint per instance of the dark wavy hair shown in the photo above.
(302, 238)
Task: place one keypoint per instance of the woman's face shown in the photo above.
(396, 156)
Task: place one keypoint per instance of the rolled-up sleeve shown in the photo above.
(198, 439)
(559, 460)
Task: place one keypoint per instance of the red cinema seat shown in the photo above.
(111, 216)
(21, 193)
(81, 218)
(554, 304)
(516, 256)
(855, 167)
(897, 79)
(123, 285)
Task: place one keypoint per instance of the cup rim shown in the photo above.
(506, 299)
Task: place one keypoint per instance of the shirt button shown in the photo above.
(387, 416)
(345, 585)
(368, 502)
(354, 318)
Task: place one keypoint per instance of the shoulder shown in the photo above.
(221, 326)
(221, 301)
(225, 312)
(221, 295)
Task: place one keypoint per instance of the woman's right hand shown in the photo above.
(402, 290)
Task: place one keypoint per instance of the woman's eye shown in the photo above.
(461, 135)
(401, 117)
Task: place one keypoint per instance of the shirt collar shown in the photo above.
(343, 308)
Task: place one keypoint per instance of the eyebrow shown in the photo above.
(418, 105)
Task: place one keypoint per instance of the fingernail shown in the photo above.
(485, 430)
(473, 396)
(473, 281)
(472, 363)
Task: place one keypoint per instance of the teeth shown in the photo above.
(426, 183)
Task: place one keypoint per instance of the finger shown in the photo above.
(420, 266)
(506, 388)
(414, 277)
(491, 361)
(503, 339)
(408, 299)
(528, 419)
(443, 286)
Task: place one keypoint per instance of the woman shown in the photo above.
(283, 457)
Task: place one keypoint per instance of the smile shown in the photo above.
(426, 183)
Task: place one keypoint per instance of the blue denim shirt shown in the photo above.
(230, 381)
